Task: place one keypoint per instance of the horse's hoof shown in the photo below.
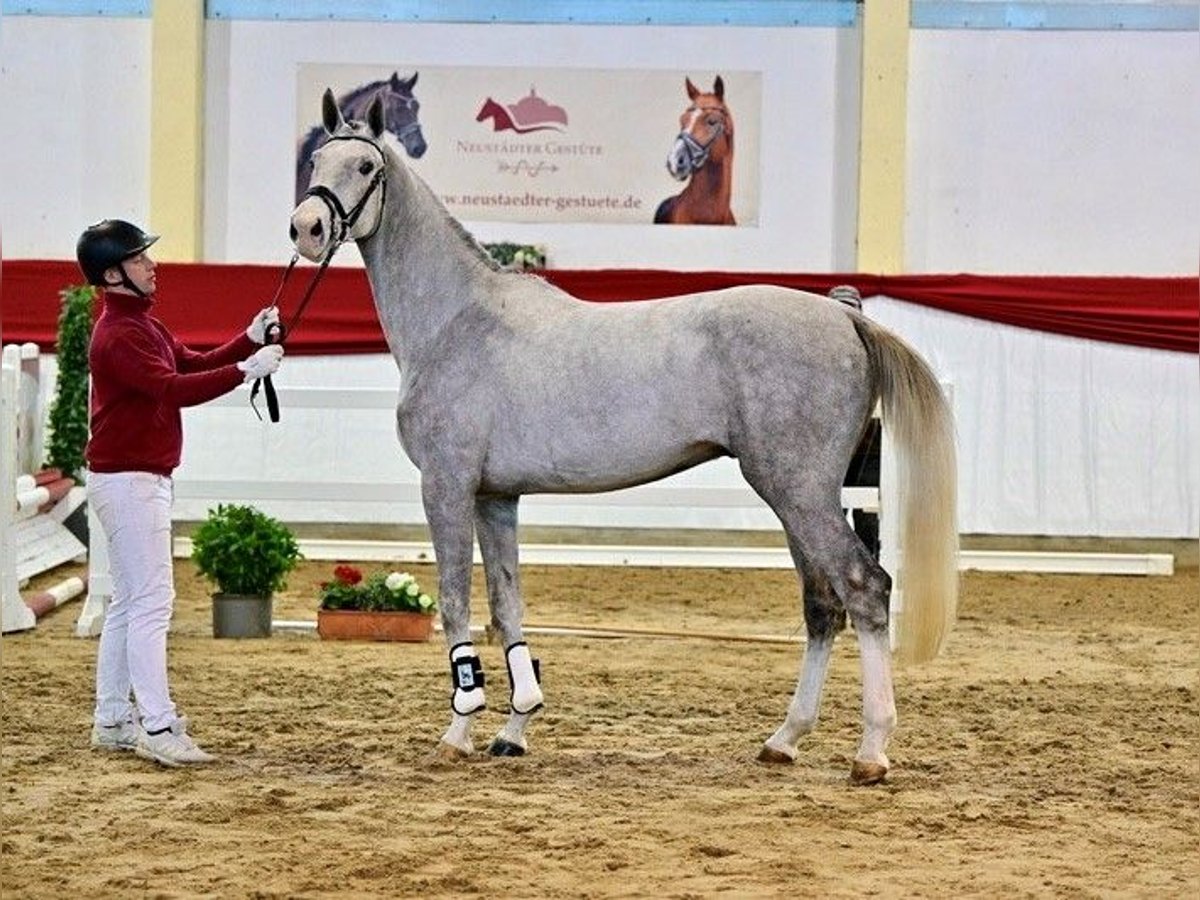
(501, 747)
(450, 753)
(773, 756)
(862, 773)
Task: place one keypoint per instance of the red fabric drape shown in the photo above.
(205, 302)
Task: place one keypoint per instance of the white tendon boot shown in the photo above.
(523, 676)
(525, 700)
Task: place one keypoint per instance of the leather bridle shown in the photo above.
(338, 216)
(343, 221)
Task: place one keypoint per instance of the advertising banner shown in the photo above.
(559, 145)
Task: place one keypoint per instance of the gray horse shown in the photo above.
(509, 386)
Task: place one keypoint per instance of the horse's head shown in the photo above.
(400, 110)
(705, 132)
(346, 193)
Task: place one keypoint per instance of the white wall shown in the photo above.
(76, 96)
(1055, 152)
(1059, 435)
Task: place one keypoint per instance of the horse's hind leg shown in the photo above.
(846, 576)
(824, 617)
(496, 527)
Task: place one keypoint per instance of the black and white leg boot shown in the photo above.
(466, 673)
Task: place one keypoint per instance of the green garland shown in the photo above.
(68, 420)
(517, 256)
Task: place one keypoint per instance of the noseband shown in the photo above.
(695, 152)
(340, 219)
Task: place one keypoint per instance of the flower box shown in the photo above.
(383, 607)
(366, 625)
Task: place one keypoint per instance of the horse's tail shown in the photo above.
(921, 427)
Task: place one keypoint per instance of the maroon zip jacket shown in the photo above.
(141, 378)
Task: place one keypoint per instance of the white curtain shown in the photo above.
(1063, 436)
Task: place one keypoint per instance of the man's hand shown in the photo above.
(257, 329)
(262, 362)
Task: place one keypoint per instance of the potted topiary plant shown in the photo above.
(246, 554)
(382, 607)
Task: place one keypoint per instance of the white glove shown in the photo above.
(257, 329)
(262, 362)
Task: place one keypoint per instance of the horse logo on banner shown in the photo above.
(530, 113)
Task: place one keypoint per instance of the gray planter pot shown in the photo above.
(241, 616)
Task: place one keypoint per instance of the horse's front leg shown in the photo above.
(496, 526)
(448, 511)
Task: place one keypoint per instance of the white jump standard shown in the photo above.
(33, 504)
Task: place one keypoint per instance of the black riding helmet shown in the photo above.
(109, 243)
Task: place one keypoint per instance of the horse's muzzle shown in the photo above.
(311, 229)
(680, 163)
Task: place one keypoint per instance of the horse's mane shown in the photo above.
(469, 239)
(397, 164)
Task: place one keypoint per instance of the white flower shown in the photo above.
(411, 589)
(397, 580)
(425, 601)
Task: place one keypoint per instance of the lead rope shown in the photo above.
(277, 332)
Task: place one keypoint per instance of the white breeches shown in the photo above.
(134, 508)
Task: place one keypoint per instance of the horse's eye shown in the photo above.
(365, 167)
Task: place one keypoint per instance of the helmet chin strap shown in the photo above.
(127, 282)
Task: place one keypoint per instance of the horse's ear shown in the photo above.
(407, 86)
(375, 116)
(692, 91)
(331, 116)
(719, 88)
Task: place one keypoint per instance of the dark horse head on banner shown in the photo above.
(702, 155)
(400, 111)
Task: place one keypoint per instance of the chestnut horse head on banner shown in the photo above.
(702, 155)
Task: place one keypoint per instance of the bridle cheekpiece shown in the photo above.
(342, 220)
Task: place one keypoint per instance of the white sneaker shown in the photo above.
(122, 736)
(172, 747)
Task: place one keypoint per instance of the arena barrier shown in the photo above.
(372, 483)
(726, 502)
(334, 459)
(34, 503)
